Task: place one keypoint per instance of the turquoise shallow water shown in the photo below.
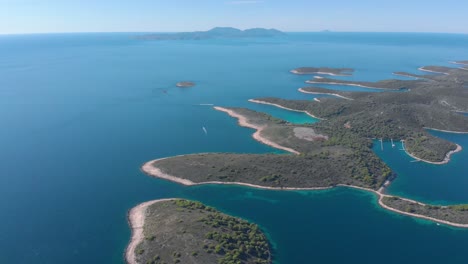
(81, 112)
(290, 116)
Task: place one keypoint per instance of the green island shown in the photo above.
(337, 151)
(182, 231)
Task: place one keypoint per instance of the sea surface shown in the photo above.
(79, 114)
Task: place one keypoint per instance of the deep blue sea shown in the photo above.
(79, 114)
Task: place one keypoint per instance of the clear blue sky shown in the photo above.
(36, 16)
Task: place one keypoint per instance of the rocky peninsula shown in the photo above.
(182, 231)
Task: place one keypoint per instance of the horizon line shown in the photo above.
(174, 32)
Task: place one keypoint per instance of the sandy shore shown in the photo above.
(149, 169)
(257, 135)
(347, 84)
(158, 173)
(334, 94)
(445, 161)
(425, 70)
(136, 219)
(323, 73)
(332, 74)
(282, 107)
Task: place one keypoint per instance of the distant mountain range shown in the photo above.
(217, 32)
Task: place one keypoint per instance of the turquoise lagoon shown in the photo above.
(81, 112)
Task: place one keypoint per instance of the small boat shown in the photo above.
(393, 145)
(204, 130)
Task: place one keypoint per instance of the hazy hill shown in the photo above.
(217, 32)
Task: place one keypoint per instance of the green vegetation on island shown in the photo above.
(182, 231)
